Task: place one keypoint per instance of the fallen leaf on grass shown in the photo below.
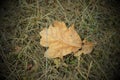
(60, 40)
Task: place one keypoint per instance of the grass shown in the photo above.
(22, 57)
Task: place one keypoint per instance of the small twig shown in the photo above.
(79, 60)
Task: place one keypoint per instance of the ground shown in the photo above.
(22, 57)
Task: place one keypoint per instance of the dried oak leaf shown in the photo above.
(87, 48)
(60, 40)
